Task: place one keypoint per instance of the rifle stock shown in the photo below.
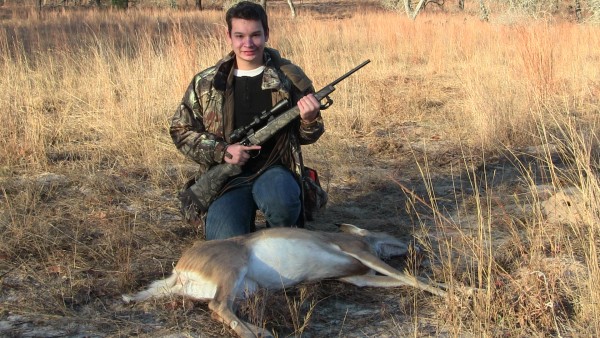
(208, 186)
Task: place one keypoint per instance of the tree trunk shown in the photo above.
(578, 10)
(292, 8)
(485, 14)
(410, 12)
(199, 5)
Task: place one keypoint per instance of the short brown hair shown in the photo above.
(248, 11)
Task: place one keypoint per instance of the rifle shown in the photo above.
(208, 186)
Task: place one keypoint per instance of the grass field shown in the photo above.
(476, 140)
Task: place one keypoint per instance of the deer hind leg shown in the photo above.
(380, 266)
(388, 281)
(222, 306)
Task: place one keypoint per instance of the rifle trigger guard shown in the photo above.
(327, 104)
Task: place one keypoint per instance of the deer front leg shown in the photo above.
(222, 304)
(223, 312)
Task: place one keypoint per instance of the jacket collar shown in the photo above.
(271, 79)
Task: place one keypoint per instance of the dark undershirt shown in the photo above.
(250, 100)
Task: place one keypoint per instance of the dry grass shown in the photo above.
(456, 133)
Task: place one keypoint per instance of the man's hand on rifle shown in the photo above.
(309, 108)
(238, 154)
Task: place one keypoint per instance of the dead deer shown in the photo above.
(222, 270)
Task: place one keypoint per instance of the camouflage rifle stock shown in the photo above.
(208, 186)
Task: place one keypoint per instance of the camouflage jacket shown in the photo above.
(202, 123)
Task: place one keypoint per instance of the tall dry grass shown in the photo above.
(88, 95)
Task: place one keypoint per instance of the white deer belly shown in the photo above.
(194, 285)
(276, 262)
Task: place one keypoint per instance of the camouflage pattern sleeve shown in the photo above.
(310, 132)
(189, 133)
(302, 86)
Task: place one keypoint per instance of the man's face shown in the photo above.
(247, 39)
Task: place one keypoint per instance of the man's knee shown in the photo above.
(283, 214)
(230, 215)
(277, 195)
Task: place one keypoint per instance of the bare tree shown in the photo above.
(292, 8)
(485, 13)
(263, 3)
(412, 13)
(578, 10)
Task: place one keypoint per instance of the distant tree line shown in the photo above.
(581, 10)
(197, 4)
(588, 10)
(107, 3)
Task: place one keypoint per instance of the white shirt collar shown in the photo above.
(249, 73)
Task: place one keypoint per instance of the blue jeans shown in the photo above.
(275, 192)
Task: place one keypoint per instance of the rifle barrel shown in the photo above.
(341, 78)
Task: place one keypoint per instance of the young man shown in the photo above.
(227, 96)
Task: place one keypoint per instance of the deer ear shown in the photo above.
(386, 250)
(352, 229)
